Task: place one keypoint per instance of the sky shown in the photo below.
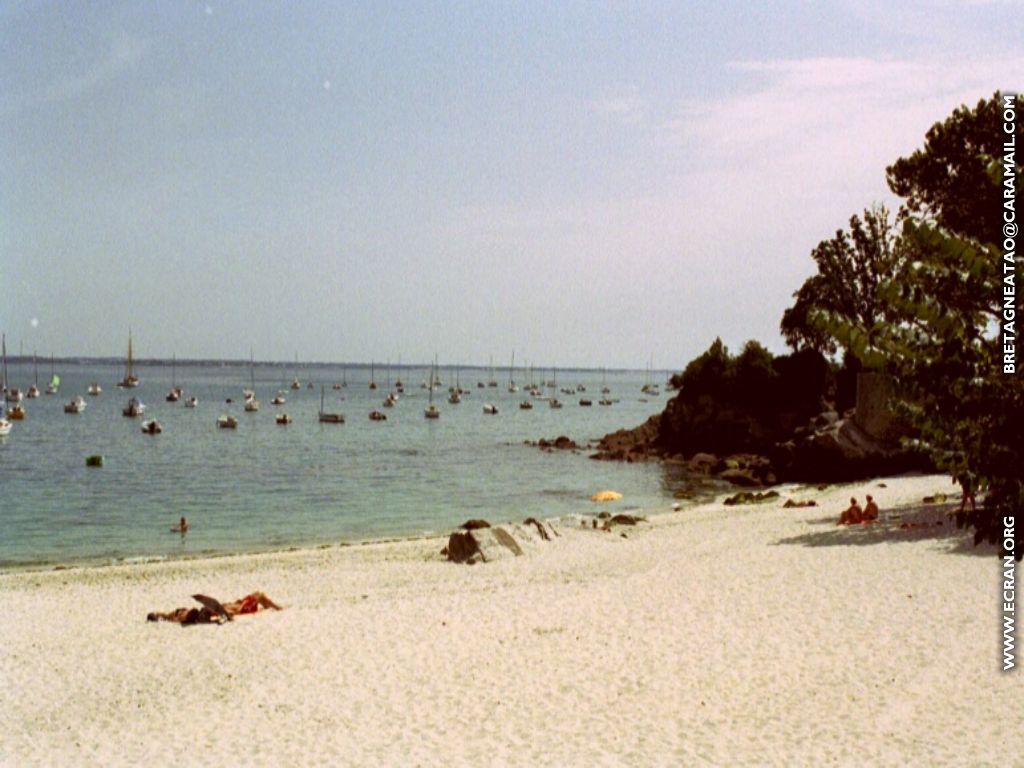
(588, 184)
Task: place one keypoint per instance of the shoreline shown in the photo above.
(651, 512)
(725, 635)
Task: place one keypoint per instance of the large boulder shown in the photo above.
(702, 463)
(561, 443)
(841, 450)
(497, 542)
(742, 477)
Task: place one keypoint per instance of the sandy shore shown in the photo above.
(727, 636)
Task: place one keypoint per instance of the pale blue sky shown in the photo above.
(588, 183)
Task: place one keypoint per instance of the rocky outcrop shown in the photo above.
(560, 443)
(749, 497)
(490, 543)
(834, 449)
(639, 444)
(626, 519)
(545, 532)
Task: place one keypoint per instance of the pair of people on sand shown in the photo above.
(215, 612)
(854, 515)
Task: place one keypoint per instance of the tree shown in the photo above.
(940, 340)
(745, 403)
(850, 267)
(947, 182)
(945, 356)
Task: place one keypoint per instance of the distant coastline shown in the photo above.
(160, 362)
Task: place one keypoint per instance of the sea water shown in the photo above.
(265, 486)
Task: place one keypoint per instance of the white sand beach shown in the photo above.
(723, 636)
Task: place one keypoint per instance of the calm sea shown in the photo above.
(266, 486)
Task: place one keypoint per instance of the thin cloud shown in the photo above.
(123, 54)
(628, 108)
(823, 121)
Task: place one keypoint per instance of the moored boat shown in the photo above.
(251, 403)
(134, 408)
(5, 424)
(130, 380)
(33, 390)
(431, 411)
(152, 427)
(175, 392)
(75, 406)
(54, 385)
(328, 418)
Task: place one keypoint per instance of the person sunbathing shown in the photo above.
(215, 612)
(852, 515)
(870, 511)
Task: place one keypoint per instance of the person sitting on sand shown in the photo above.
(852, 515)
(870, 511)
(214, 612)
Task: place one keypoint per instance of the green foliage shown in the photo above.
(948, 181)
(938, 333)
(745, 403)
(850, 267)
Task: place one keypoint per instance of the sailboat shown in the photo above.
(329, 418)
(75, 406)
(511, 382)
(5, 425)
(11, 394)
(130, 380)
(373, 384)
(134, 408)
(175, 393)
(604, 388)
(554, 402)
(251, 403)
(295, 380)
(54, 385)
(455, 392)
(431, 411)
(33, 391)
